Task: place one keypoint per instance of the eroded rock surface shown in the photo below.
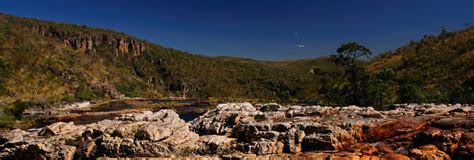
(159, 134)
(274, 129)
(262, 131)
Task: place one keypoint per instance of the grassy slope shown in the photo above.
(35, 66)
(43, 67)
(441, 63)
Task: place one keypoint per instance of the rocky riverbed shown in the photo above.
(91, 112)
(262, 131)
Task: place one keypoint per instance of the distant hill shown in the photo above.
(48, 61)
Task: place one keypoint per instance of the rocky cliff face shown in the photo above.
(82, 41)
(242, 130)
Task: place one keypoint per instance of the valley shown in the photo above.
(70, 91)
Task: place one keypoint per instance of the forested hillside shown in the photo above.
(52, 62)
(47, 61)
(438, 68)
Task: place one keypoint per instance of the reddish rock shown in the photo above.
(397, 157)
(242, 131)
(464, 152)
(384, 148)
(455, 122)
(369, 150)
(429, 152)
(366, 157)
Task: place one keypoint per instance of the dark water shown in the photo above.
(193, 109)
(189, 110)
(91, 119)
(186, 113)
(190, 113)
(112, 106)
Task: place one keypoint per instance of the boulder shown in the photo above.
(324, 137)
(216, 144)
(58, 128)
(224, 118)
(13, 136)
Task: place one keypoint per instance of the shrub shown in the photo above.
(168, 105)
(6, 121)
(3, 90)
(84, 94)
(410, 93)
(128, 89)
(18, 108)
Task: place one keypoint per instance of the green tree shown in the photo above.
(444, 32)
(410, 89)
(348, 55)
(18, 108)
(464, 93)
(410, 93)
(379, 92)
(84, 94)
(128, 89)
(331, 87)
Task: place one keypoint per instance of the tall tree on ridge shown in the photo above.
(347, 55)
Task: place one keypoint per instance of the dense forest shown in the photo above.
(46, 63)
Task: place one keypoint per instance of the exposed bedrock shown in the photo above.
(159, 134)
(243, 130)
(274, 129)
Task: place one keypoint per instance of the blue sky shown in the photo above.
(259, 29)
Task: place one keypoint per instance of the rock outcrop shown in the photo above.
(159, 134)
(86, 42)
(275, 129)
(263, 131)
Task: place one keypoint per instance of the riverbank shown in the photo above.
(93, 111)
